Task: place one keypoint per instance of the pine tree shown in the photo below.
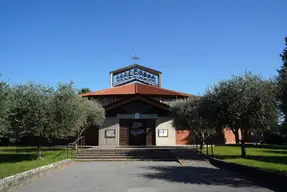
(282, 83)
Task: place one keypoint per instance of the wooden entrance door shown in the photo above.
(150, 132)
(91, 135)
(137, 133)
(124, 131)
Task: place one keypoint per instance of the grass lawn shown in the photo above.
(19, 159)
(272, 158)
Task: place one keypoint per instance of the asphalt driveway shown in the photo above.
(140, 177)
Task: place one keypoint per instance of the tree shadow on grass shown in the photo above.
(268, 159)
(283, 152)
(269, 146)
(58, 155)
(200, 176)
(29, 149)
(13, 158)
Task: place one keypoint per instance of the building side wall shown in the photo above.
(110, 123)
(175, 137)
(165, 123)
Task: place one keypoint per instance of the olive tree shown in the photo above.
(30, 114)
(244, 104)
(73, 113)
(190, 114)
(94, 114)
(84, 90)
(67, 111)
(44, 112)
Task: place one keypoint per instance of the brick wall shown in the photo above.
(185, 137)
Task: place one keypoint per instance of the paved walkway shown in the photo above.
(139, 177)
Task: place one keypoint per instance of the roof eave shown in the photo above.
(171, 95)
(117, 71)
(135, 98)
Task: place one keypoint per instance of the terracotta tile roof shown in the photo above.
(136, 88)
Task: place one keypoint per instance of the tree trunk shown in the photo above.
(237, 138)
(39, 153)
(243, 139)
(236, 134)
(243, 149)
(201, 145)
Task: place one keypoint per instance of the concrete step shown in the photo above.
(129, 154)
(144, 159)
(135, 152)
(125, 152)
(122, 150)
(124, 157)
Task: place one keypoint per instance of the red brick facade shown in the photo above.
(185, 137)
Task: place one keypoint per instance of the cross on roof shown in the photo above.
(135, 58)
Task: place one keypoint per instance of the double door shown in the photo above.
(137, 132)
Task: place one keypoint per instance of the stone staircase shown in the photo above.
(126, 154)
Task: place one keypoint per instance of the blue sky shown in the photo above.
(194, 43)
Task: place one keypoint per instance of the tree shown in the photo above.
(67, 111)
(190, 114)
(93, 112)
(45, 113)
(282, 84)
(74, 113)
(243, 104)
(30, 115)
(84, 90)
(5, 95)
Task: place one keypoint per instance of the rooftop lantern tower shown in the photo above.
(135, 73)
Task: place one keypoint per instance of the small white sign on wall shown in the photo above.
(137, 115)
(110, 133)
(163, 133)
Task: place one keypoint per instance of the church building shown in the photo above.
(137, 111)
